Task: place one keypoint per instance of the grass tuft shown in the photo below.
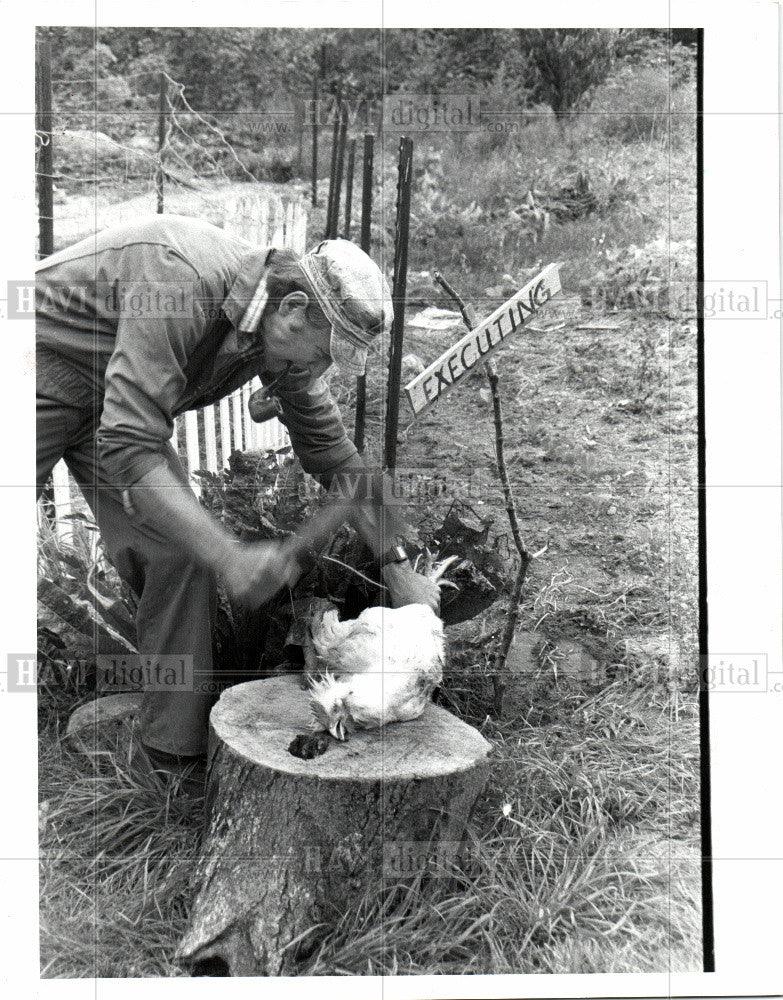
(117, 846)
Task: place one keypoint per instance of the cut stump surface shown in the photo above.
(290, 844)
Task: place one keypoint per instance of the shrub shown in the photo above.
(656, 279)
(644, 106)
(503, 100)
(571, 62)
(277, 166)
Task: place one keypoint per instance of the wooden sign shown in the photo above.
(477, 345)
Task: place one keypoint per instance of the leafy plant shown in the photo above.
(83, 609)
(571, 62)
(655, 279)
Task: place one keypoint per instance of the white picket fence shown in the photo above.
(228, 426)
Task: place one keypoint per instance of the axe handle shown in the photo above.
(310, 537)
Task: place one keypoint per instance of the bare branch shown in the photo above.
(470, 319)
(525, 557)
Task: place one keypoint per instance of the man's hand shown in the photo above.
(253, 573)
(408, 587)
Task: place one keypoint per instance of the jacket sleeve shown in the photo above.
(313, 421)
(145, 376)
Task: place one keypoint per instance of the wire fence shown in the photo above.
(115, 156)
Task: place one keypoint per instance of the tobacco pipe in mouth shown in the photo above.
(262, 407)
(262, 404)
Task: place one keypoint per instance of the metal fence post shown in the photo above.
(399, 286)
(162, 111)
(364, 242)
(332, 170)
(341, 128)
(349, 188)
(314, 165)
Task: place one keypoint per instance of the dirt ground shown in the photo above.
(601, 451)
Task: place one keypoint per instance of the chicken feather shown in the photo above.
(381, 667)
(378, 668)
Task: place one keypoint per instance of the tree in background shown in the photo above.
(270, 70)
(571, 63)
(431, 60)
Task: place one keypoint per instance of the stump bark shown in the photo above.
(291, 844)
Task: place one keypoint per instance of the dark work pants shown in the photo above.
(177, 597)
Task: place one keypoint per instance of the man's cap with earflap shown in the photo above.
(353, 295)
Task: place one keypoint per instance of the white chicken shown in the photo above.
(378, 668)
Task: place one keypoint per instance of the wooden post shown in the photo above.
(314, 166)
(225, 431)
(300, 229)
(349, 188)
(399, 285)
(264, 224)
(210, 438)
(162, 111)
(192, 447)
(45, 151)
(364, 242)
(277, 226)
(292, 844)
(236, 412)
(247, 421)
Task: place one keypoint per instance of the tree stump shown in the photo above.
(290, 844)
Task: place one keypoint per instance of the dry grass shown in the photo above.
(580, 857)
(116, 854)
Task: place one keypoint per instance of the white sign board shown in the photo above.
(477, 345)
